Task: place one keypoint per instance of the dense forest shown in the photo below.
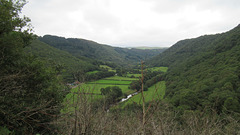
(204, 72)
(67, 65)
(192, 87)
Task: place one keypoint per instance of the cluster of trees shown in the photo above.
(30, 92)
(112, 93)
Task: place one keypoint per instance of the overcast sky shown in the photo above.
(125, 23)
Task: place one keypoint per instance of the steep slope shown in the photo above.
(59, 58)
(184, 50)
(93, 50)
(204, 72)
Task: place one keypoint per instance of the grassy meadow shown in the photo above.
(163, 69)
(135, 75)
(157, 91)
(108, 68)
(92, 72)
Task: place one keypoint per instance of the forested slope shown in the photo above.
(204, 72)
(100, 52)
(60, 59)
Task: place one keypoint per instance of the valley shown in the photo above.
(194, 75)
(55, 85)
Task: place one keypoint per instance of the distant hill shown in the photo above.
(150, 48)
(204, 72)
(90, 49)
(61, 58)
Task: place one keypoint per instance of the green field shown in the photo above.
(108, 68)
(163, 69)
(135, 75)
(92, 72)
(155, 92)
(114, 82)
(91, 90)
(120, 78)
(95, 87)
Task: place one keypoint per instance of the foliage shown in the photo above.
(98, 75)
(70, 65)
(29, 90)
(204, 72)
(111, 93)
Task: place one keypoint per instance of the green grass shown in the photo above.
(108, 68)
(95, 87)
(92, 72)
(105, 66)
(73, 97)
(155, 92)
(114, 82)
(163, 69)
(92, 90)
(135, 75)
(120, 78)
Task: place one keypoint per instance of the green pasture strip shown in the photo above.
(155, 92)
(115, 82)
(135, 75)
(163, 69)
(109, 84)
(108, 68)
(112, 70)
(92, 72)
(95, 88)
(120, 78)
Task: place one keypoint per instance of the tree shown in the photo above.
(116, 92)
(29, 91)
(111, 93)
(105, 91)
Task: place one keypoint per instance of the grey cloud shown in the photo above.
(161, 22)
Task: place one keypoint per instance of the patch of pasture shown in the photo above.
(163, 69)
(155, 92)
(111, 82)
(95, 86)
(92, 72)
(120, 78)
(108, 68)
(135, 75)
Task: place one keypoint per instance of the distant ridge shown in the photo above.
(101, 52)
(147, 47)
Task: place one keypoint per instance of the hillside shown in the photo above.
(59, 58)
(204, 72)
(101, 52)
